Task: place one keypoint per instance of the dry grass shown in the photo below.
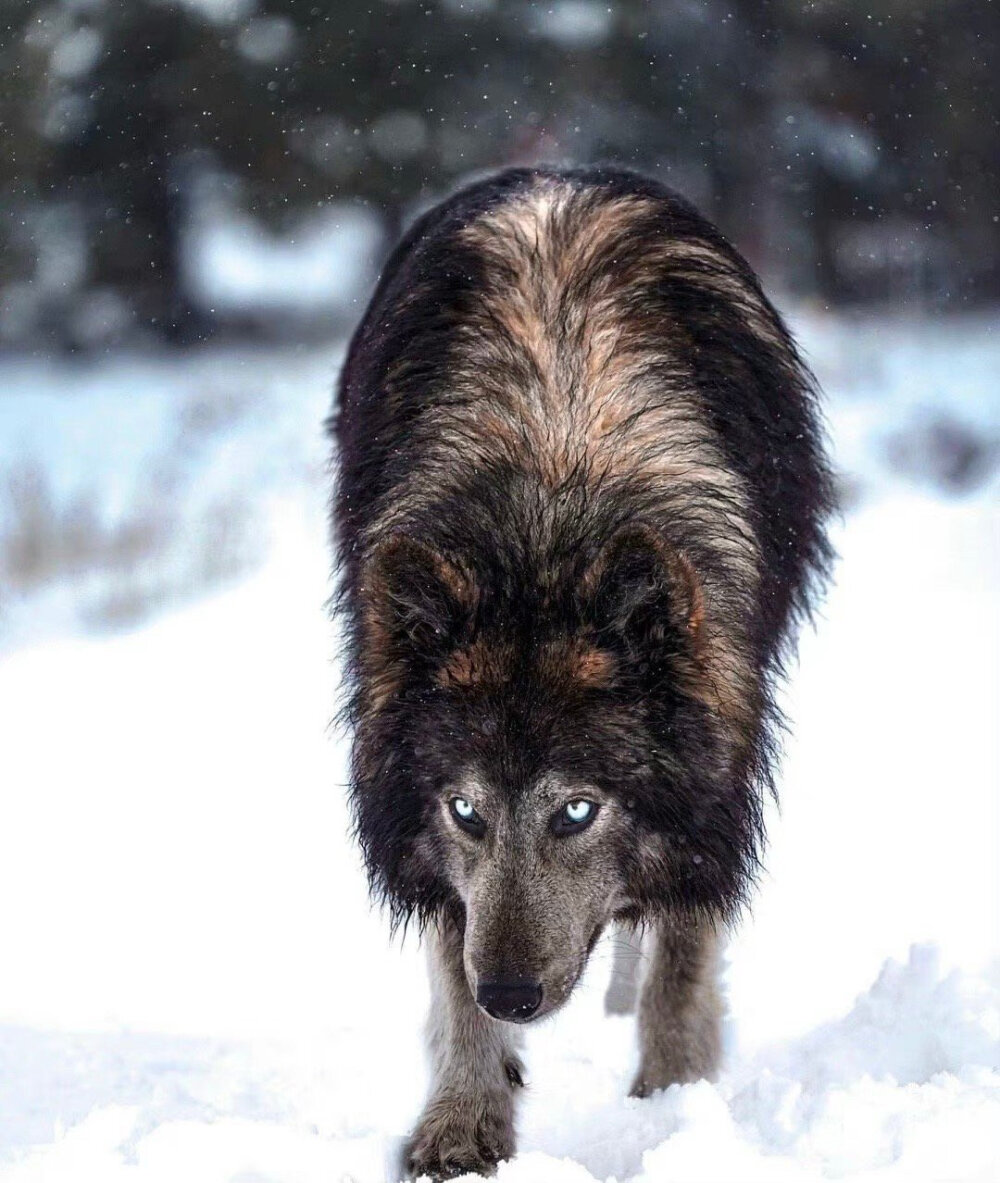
(43, 540)
(121, 566)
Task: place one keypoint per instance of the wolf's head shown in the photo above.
(538, 755)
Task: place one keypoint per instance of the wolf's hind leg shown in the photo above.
(623, 989)
(680, 1011)
(468, 1121)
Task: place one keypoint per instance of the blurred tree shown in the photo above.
(851, 148)
(900, 140)
(22, 80)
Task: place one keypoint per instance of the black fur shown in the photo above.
(519, 566)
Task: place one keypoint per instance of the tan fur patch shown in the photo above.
(474, 665)
(575, 661)
(591, 667)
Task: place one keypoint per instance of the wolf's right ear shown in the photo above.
(639, 584)
(417, 603)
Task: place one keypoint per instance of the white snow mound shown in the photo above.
(904, 1087)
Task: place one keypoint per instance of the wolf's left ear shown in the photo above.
(640, 586)
(416, 600)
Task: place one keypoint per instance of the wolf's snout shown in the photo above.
(511, 999)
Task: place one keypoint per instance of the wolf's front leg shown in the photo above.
(680, 1011)
(623, 988)
(468, 1122)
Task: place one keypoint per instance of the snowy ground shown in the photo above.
(192, 983)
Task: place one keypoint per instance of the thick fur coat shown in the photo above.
(568, 404)
(579, 515)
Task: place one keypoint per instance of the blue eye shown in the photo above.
(465, 815)
(574, 817)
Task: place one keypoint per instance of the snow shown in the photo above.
(194, 985)
(233, 264)
(139, 441)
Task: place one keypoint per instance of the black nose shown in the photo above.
(511, 999)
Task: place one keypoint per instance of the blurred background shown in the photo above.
(183, 170)
(196, 196)
(195, 200)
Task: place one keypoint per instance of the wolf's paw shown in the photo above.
(656, 1074)
(645, 1085)
(458, 1135)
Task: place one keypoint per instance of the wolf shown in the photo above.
(579, 516)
